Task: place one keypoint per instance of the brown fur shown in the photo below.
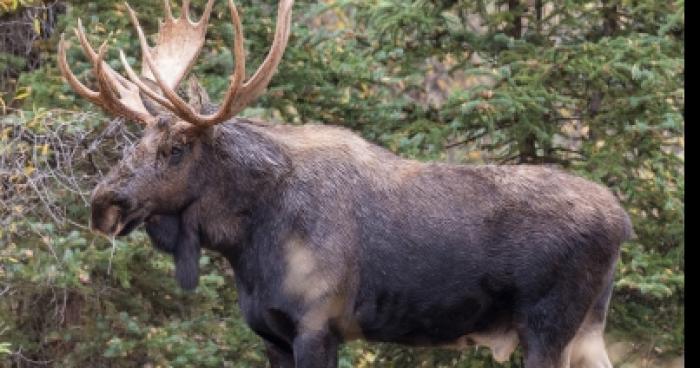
(334, 238)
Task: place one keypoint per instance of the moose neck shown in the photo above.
(244, 169)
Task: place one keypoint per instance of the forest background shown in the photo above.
(595, 87)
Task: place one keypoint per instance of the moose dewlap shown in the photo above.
(333, 238)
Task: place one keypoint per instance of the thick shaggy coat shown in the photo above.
(333, 238)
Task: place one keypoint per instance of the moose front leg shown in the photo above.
(316, 349)
(278, 356)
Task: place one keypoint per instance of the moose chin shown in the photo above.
(333, 238)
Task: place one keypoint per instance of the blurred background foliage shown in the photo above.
(596, 87)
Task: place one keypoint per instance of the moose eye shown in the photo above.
(176, 154)
(176, 151)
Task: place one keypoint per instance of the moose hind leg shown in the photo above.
(547, 328)
(546, 351)
(588, 347)
(279, 356)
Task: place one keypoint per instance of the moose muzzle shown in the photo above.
(114, 213)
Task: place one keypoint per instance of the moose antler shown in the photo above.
(179, 42)
(126, 102)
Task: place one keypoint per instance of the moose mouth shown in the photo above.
(130, 224)
(114, 221)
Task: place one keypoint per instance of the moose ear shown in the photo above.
(197, 96)
(151, 106)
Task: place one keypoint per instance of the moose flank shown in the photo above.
(333, 238)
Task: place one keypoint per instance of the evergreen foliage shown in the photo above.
(596, 87)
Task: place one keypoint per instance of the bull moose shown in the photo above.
(333, 238)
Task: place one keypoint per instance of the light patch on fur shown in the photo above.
(303, 277)
(307, 137)
(501, 343)
(321, 312)
(306, 279)
(588, 348)
(316, 145)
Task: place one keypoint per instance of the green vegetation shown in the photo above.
(596, 87)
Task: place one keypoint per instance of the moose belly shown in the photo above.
(461, 325)
(434, 295)
(457, 319)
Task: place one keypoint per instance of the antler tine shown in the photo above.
(137, 81)
(102, 75)
(179, 42)
(204, 20)
(239, 95)
(257, 83)
(185, 14)
(225, 111)
(177, 105)
(168, 10)
(78, 86)
(84, 43)
(127, 104)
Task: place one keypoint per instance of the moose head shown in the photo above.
(166, 170)
(179, 162)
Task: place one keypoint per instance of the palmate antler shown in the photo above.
(179, 42)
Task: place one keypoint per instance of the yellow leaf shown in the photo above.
(346, 96)
(23, 93)
(37, 26)
(45, 149)
(29, 170)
